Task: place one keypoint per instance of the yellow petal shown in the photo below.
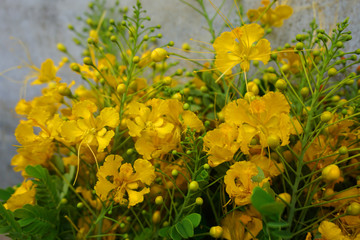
(192, 121)
(70, 131)
(145, 171)
(136, 197)
(224, 62)
(104, 141)
(84, 109)
(261, 51)
(108, 117)
(253, 15)
(111, 166)
(225, 42)
(250, 34)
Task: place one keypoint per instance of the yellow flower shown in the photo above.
(239, 184)
(272, 17)
(221, 144)
(262, 117)
(269, 166)
(116, 179)
(158, 124)
(241, 225)
(329, 231)
(89, 130)
(240, 46)
(47, 72)
(25, 194)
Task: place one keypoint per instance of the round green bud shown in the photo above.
(174, 152)
(316, 52)
(353, 209)
(207, 123)
(268, 30)
(339, 44)
(171, 43)
(159, 35)
(357, 51)
(281, 84)
(206, 166)
(199, 201)
(299, 37)
(87, 61)
(190, 99)
(193, 186)
(188, 152)
(304, 92)
(167, 80)
(204, 89)
(332, 72)
(136, 59)
(256, 63)
(75, 67)
(273, 56)
(186, 47)
(174, 173)
(70, 27)
(186, 106)
(159, 200)
(113, 38)
(130, 151)
(299, 46)
(343, 150)
(326, 116)
(63, 201)
(122, 225)
(271, 70)
(80, 205)
(112, 21)
(179, 72)
(353, 57)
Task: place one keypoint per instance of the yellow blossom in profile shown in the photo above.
(47, 72)
(262, 117)
(118, 180)
(239, 183)
(240, 46)
(268, 16)
(24, 194)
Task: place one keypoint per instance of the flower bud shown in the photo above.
(158, 55)
(194, 186)
(281, 84)
(253, 87)
(332, 72)
(284, 197)
(87, 61)
(199, 201)
(216, 231)
(326, 116)
(353, 209)
(61, 47)
(273, 141)
(330, 173)
(121, 88)
(159, 200)
(156, 217)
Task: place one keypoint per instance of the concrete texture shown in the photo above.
(41, 24)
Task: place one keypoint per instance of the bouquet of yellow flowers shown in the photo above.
(258, 143)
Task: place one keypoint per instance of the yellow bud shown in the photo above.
(156, 217)
(159, 200)
(253, 87)
(158, 55)
(186, 47)
(216, 231)
(273, 141)
(61, 47)
(194, 186)
(284, 197)
(64, 91)
(121, 88)
(331, 173)
(326, 116)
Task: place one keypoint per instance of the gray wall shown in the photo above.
(41, 24)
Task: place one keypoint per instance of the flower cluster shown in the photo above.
(141, 150)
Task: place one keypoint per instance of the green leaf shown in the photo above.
(174, 234)
(272, 209)
(195, 219)
(188, 226)
(277, 224)
(5, 229)
(281, 234)
(164, 232)
(5, 194)
(8, 216)
(259, 177)
(181, 230)
(144, 234)
(259, 198)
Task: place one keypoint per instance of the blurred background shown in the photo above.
(41, 24)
